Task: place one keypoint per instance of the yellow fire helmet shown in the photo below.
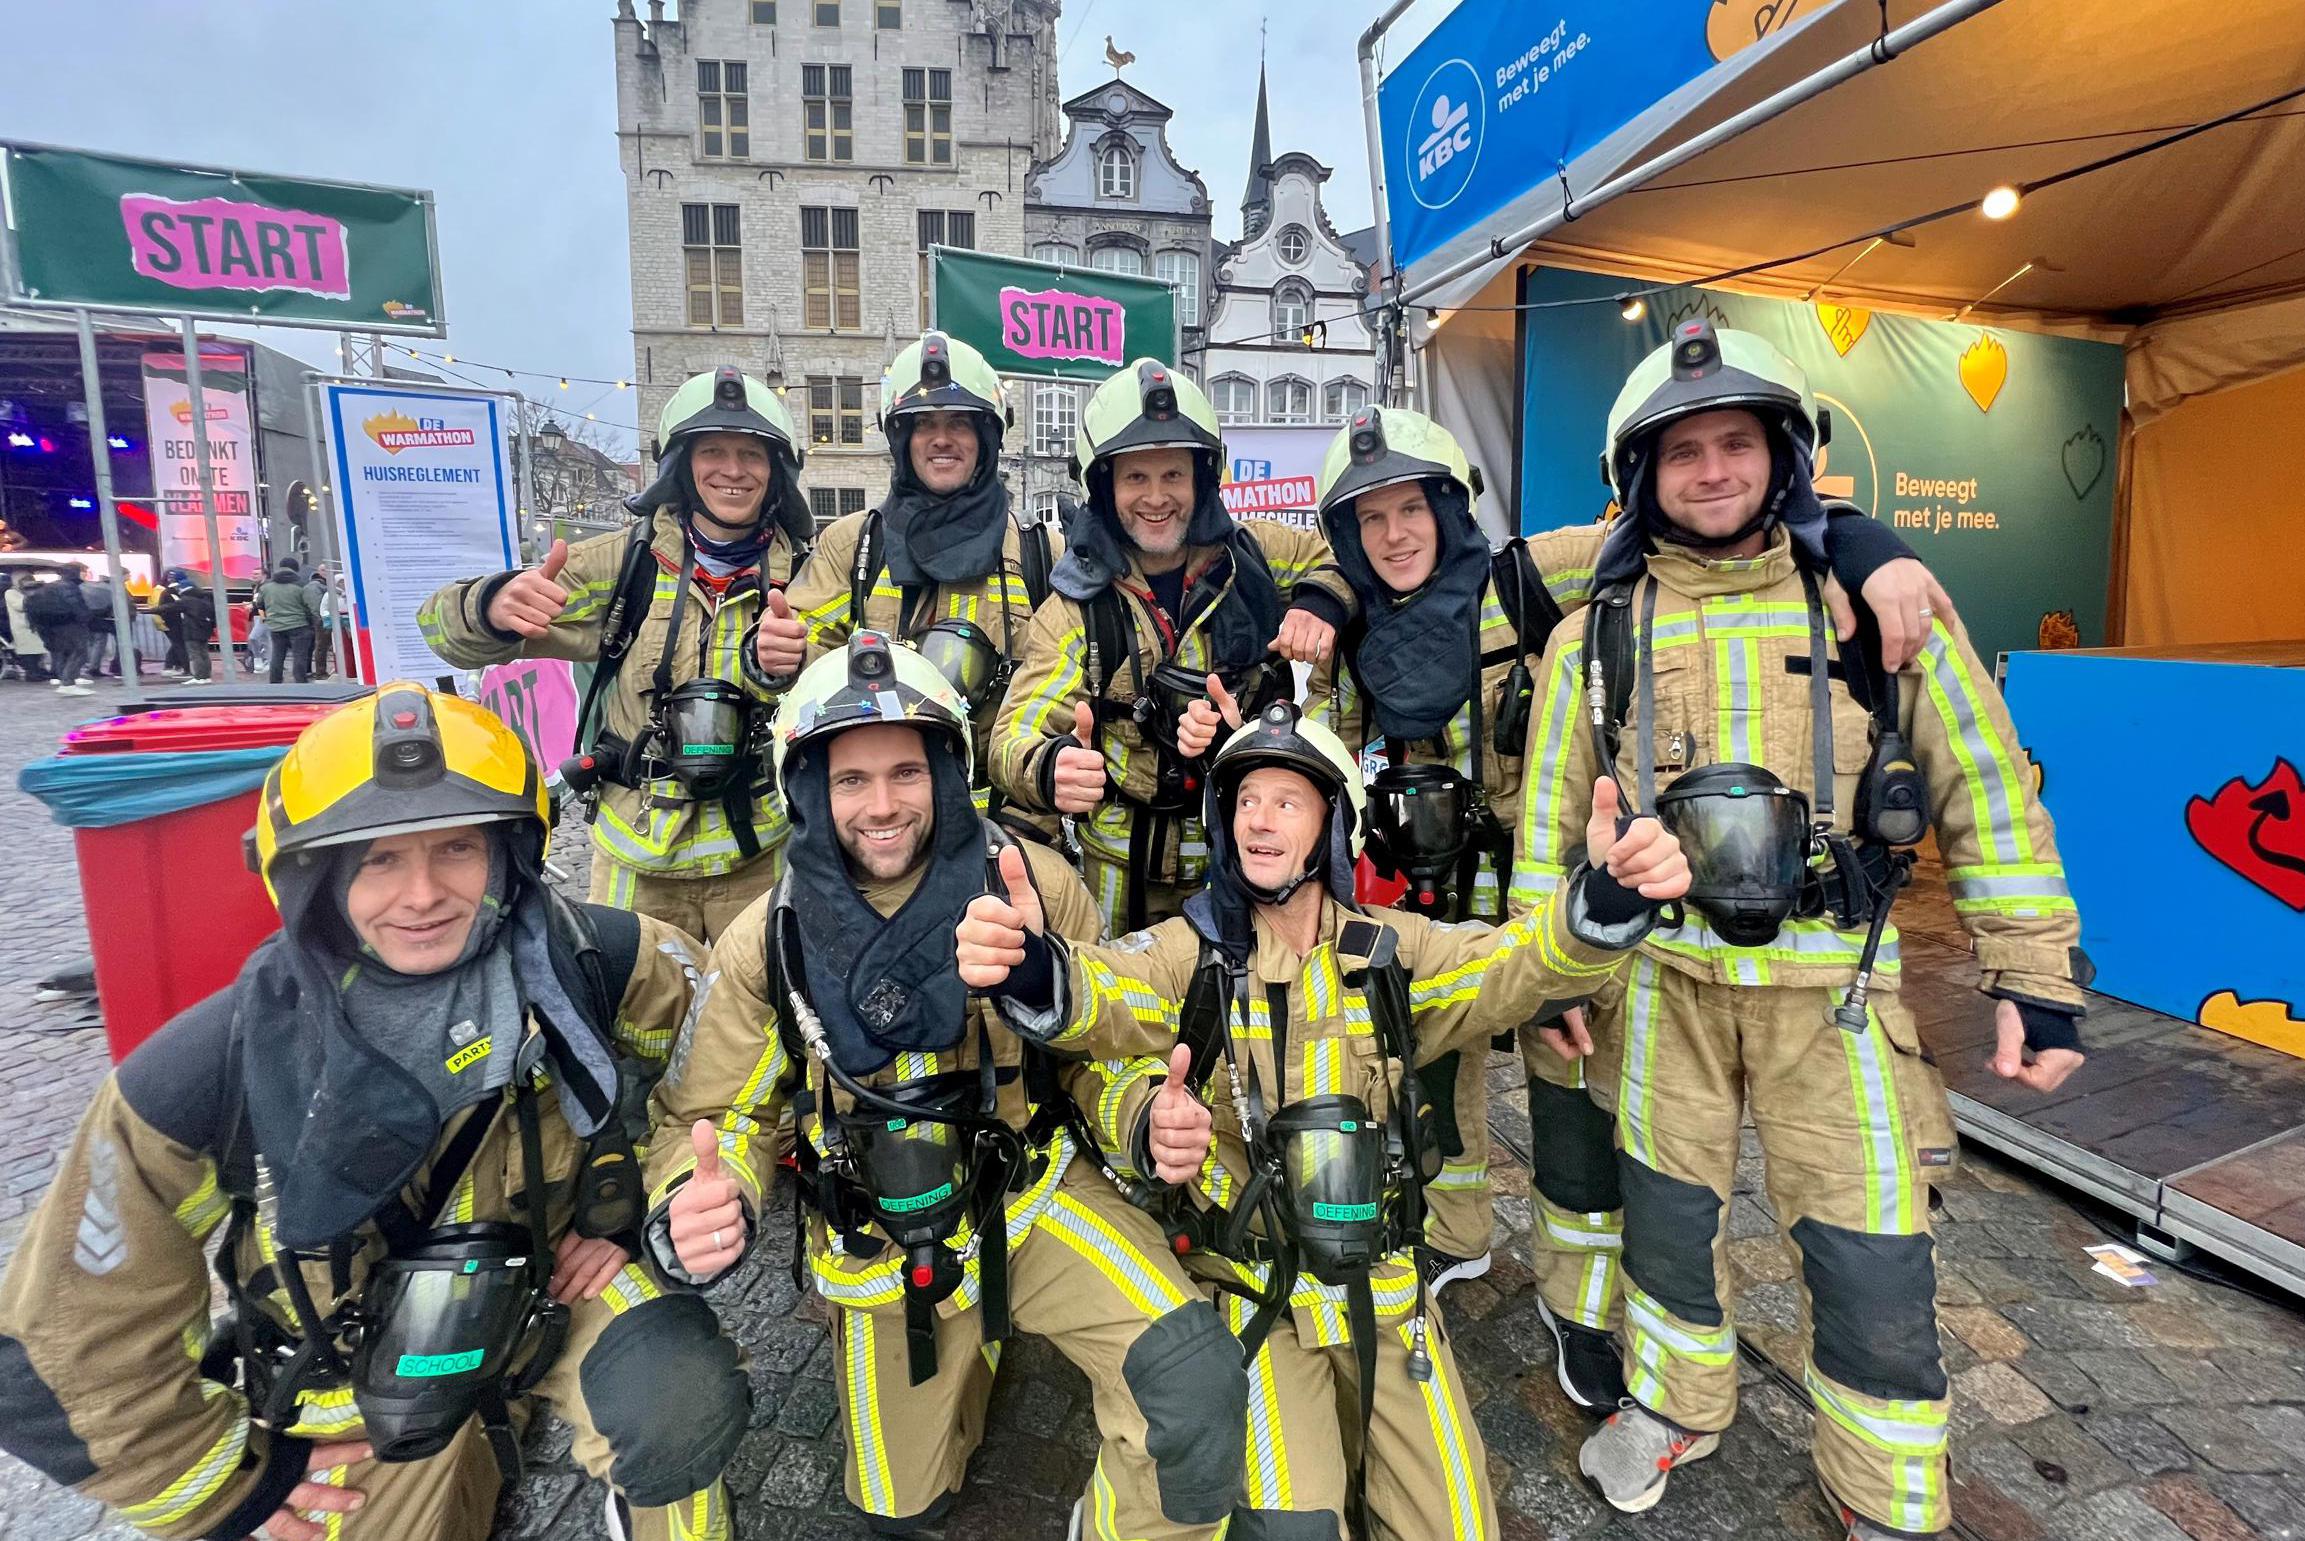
(727, 400)
(872, 680)
(401, 760)
(1146, 405)
(1701, 369)
(1283, 735)
(941, 374)
(1384, 446)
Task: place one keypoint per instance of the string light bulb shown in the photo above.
(564, 382)
(2001, 202)
(1632, 307)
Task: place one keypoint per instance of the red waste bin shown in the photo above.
(173, 911)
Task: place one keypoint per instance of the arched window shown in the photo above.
(1056, 251)
(1116, 172)
(1235, 397)
(1340, 399)
(1292, 310)
(1182, 268)
(1289, 400)
(1117, 259)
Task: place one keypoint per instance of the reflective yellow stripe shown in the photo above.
(1988, 766)
(325, 1412)
(1111, 1254)
(1893, 1204)
(705, 1515)
(1445, 1412)
(203, 1206)
(209, 1474)
(1269, 1486)
(856, 1329)
(629, 1288)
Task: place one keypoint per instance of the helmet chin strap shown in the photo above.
(1282, 894)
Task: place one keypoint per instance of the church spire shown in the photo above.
(1257, 200)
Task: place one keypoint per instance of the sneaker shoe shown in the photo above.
(1441, 1268)
(74, 690)
(1629, 1457)
(1585, 1362)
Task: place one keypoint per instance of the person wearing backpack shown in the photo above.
(60, 616)
(684, 614)
(1300, 1019)
(394, 1143)
(1158, 589)
(1432, 687)
(942, 564)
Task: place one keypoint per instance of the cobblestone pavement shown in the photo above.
(2084, 1410)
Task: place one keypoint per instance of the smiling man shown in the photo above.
(402, 1084)
(1159, 589)
(942, 563)
(685, 617)
(947, 1201)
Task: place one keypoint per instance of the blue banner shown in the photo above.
(1990, 451)
(1506, 94)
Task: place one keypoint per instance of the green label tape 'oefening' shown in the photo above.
(935, 1195)
(423, 1366)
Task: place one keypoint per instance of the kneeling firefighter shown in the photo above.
(402, 1115)
(945, 1206)
(941, 564)
(1158, 589)
(1309, 1019)
(1434, 686)
(1701, 674)
(684, 618)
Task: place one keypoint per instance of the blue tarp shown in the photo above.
(99, 791)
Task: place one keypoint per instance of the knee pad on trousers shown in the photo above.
(1186, 1376)
(663, 1387)
(1437, 1090)
(1873, 1303)
(1669, 1231)
(1572, 1155)
(1284, 1525)
(930, 1518)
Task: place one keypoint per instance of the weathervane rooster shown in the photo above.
(1114, 57)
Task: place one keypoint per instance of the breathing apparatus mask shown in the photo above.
(969, 661)
(1329, 1159)
(1170, 691)
(1424, 820)
(1746, 835)
(443, 1328)
(703, 730)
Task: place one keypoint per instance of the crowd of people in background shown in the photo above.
(57, 627)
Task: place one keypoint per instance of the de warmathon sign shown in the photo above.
(114, 234)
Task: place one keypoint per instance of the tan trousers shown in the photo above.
(1576, 1232)
(1093, 1276)
(452, 1496)
(1427, 1469)
(1852, 1126)
(1460, 1211)
(703, 907)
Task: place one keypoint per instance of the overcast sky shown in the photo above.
(506, 110)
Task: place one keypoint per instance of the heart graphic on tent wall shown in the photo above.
(1843, 326)
(1984, 370)
(2084, 461)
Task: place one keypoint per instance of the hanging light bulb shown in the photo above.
(2001, 202)
(564, 382)
(624, 385)
(1632, 307)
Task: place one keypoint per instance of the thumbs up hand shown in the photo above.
(529, 604)
(1645, 857)
(1079, 781)
(707, 1215)
(1179, 1126)
(989, 941)
(781, 642)
(1198, 729)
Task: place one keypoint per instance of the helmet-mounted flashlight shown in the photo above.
(868, 662)
(728, 386)
(935, 361)
(1696, 349)
(1368, 441)
(1159, 394)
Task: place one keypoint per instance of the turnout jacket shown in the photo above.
(104, 1311)
(999, 602)
(1308, 1031)
(1731, 647)
(734, 1068)
(659, 830)
(1055, 678)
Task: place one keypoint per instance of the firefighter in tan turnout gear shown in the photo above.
(685, 620)
(1433, 685)
(1302, 1020)
(402, 1116)
(1797, 782)
(948, 1204)
(1158, 589)
(941, 564)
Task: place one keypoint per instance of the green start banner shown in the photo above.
(1054, 322)
(128, 235)
(1990, 451)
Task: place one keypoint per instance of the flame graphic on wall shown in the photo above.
(1984, 370)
